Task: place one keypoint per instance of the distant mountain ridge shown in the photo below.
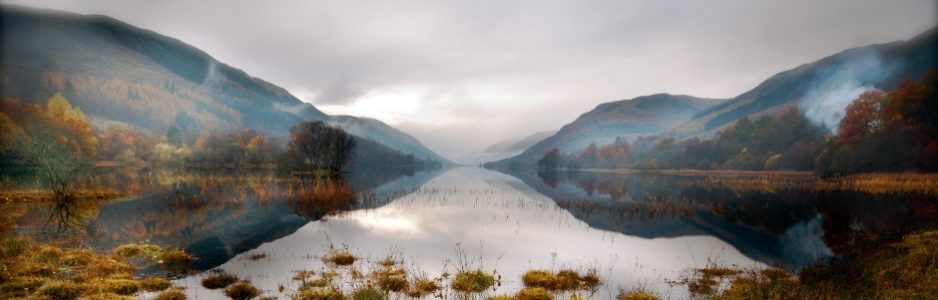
(518, 145)
(118, 73)
(818, 88)
(630, 118)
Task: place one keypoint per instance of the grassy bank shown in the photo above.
(47, 271)
(867, 182)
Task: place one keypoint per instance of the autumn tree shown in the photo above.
(53, 142)
(892, 131)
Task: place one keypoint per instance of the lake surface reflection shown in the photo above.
(637, 230)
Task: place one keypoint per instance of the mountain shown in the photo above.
(823, 88)
(120, 74)
(646, 115)
(382, 133)
(515, 146)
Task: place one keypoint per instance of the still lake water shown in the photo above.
(638, 231)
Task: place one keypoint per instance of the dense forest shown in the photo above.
(879, 132)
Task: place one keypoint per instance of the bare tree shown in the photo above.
(318, 145)
(55, 165)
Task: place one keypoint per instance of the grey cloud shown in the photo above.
(543, 62)
(340, 93)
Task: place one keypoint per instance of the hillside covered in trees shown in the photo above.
(126, 77)
(880, 131)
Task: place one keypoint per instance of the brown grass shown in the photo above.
(35, 270)
(340, 258)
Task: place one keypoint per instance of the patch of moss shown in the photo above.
(534, 293)
(476, 281)
(500, 297)
(242, 290)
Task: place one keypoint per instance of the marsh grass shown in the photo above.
(907, 269)
(565, 280)
(36, 270)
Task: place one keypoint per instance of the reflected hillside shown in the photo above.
(785, 223)
(212, 215)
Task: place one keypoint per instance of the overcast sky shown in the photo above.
(462, 75)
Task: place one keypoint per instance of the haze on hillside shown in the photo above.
(462, 76)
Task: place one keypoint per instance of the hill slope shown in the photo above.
(626, 118)
(824, 88)
(116, 72)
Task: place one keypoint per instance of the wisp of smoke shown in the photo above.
(834, 87)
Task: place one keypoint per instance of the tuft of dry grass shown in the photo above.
(218, 280)
(391, 279)
(173, 294)
(534, 293)
(341, 258)
(320, 293)
(423, 287)
(638, 295)
(476, 281)
(538, 278)
(368, 292)
(242, 290)
(154, 284)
